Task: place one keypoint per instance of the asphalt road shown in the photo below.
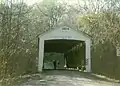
(68, 78)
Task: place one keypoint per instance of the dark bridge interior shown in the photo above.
(73, 50)
(60, 46)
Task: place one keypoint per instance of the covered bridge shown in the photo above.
(73, 44)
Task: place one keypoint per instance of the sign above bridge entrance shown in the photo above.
(62, 37)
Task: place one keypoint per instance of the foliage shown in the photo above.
(103, 26)
(16, 47)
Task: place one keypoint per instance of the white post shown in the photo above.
(41, 55)
(88, 55)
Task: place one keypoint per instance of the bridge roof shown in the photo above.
(58, 27)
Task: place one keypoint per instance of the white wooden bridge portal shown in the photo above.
(68, 41)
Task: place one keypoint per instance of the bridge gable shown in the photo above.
(64, 33)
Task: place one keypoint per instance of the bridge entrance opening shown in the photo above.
(66, 53)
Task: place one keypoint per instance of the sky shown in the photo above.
(30, 2)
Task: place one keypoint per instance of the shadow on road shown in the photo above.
(75, 73)
(65, 78)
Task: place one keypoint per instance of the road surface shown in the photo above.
(68, 78)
